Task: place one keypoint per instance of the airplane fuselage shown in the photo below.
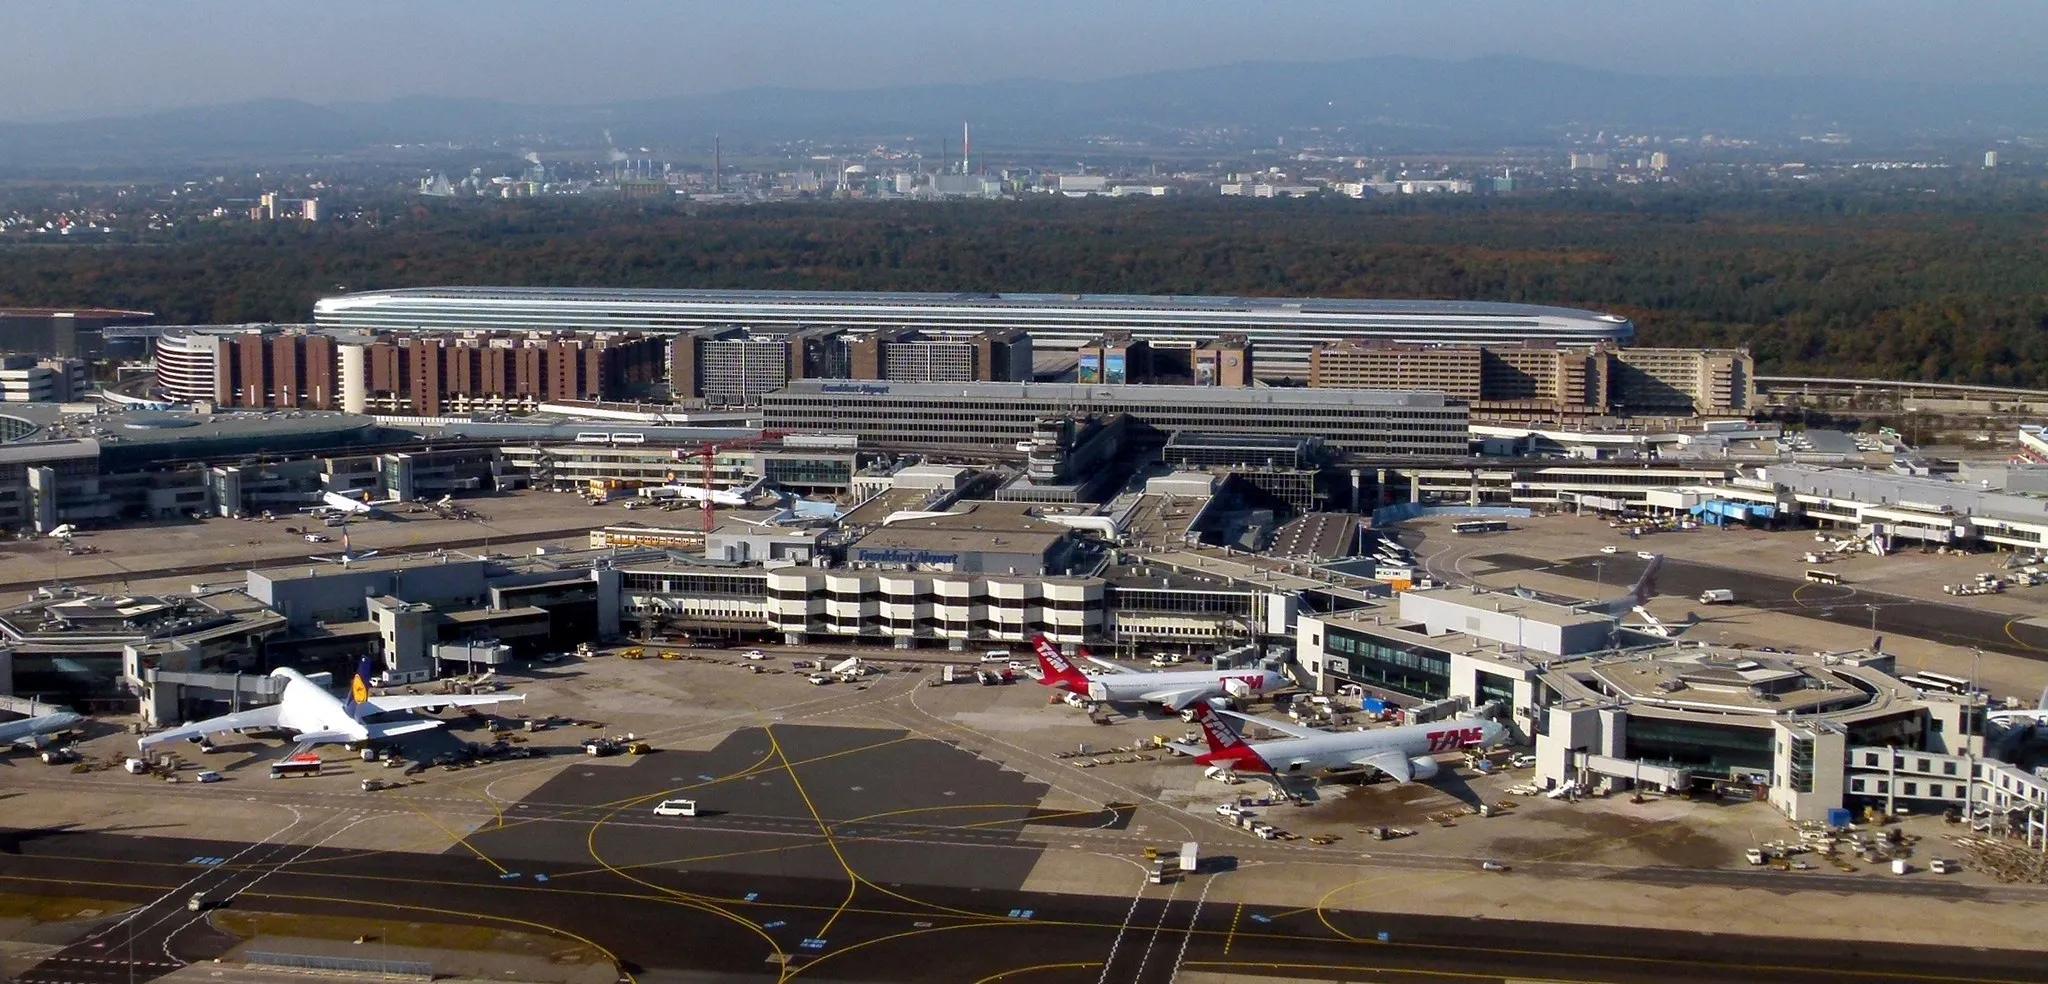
(306, 706)
(1132, 687)
(1342, 750)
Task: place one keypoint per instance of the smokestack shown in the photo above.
(963, 147)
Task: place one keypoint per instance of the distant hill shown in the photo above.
(1399, 103)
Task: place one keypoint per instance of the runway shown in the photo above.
(860, 854)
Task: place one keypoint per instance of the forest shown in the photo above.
(1954, 291)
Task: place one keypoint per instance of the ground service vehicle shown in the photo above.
(1823, 577)
(1716, 596)
(676, 808)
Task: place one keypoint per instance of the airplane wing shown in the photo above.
(383, 705)
(396, 728)
(1107, 665)
(1285, 728)
(1179, 699)
(260, 717)
(1390, 761)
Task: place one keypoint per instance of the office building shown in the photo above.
(1363, 422)
(27, 379)
(64, 333)
(1283, 329)
(305, 367)
(996, 355)
(1547, 381)
(1690, 381)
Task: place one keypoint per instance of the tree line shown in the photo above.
(1955, 292)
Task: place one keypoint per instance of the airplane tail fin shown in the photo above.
(1056, 670)
(1226, 747)
(359, 687)
(1646, 586)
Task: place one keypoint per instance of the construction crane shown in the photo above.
(709, 452)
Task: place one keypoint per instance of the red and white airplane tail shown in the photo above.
(1056, 670)
(1226, 747)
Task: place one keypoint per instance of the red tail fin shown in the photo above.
(1226, 747)
(1055, 670)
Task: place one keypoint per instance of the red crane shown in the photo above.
(709, 451)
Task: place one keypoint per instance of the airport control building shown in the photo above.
(1285, 330)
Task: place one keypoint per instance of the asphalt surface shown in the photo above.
(1844, 604)
(850, 854)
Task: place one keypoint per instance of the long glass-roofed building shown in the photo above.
(1282, 329)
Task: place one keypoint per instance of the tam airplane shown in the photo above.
(321, 718)
(1177, 690)
(1403, 754)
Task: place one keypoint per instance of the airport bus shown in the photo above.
(1824, 577)
(1941, 681)
(302, 764)
(1481, 526)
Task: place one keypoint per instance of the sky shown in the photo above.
(82, 58)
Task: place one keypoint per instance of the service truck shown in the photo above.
(1716, 596)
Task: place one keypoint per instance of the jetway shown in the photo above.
(1664, 777)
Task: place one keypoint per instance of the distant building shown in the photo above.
(993, 356)
(27, 379)
(69, 333)
(1534, 382)
(1990, 159)
(1283, 328)
(1660, 161)
(1588, 162)
(301, 367)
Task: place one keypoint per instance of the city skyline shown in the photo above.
(226, 51)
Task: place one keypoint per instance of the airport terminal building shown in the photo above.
(999, 415)
(1608, 707)
(1285, 330)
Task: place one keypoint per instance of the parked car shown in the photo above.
(1492, 866)
(1610, 548)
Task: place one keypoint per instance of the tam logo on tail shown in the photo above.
(1225, 745)
(1056, 670)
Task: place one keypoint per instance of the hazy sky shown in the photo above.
(68, 58)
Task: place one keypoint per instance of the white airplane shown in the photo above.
(351, 506)
(1645, 588)
(2038, 714)
(719, 497)
(346, 556)
(1403, 754)
(29, 733)
(1177, 690)
(319, 717)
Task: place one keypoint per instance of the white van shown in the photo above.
(996, 656)
(208, 776)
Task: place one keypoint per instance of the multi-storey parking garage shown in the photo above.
(1283, 329)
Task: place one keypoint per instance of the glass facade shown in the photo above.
(1700, 747)
(1417, 671)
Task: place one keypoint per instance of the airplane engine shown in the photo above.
(1422, 766)
(1223, 703)
(197, 739)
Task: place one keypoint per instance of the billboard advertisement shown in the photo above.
(1113, 368)
(1091, 368)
